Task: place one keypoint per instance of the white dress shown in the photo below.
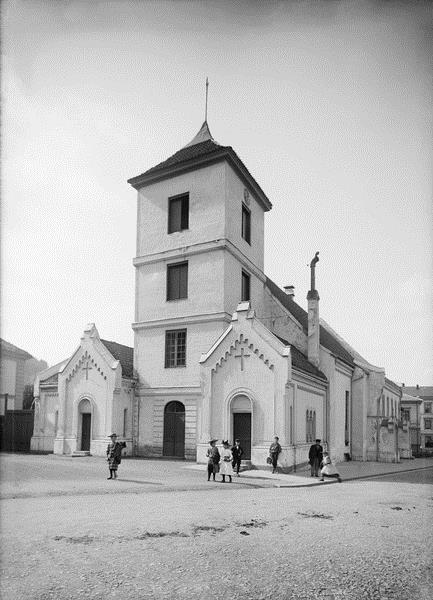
(226, 462)
(328, 468)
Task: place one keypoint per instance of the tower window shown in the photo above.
(245, 293)
(177, 281)
(175, 348)
(246, 224)
(178, 213)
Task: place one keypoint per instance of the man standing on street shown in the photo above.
(237, 456)
(315, 456)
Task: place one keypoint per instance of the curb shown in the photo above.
(304, 485)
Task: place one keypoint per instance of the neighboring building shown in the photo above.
(425, 394)
(82, 400)
(410, 413)
(18, 369)
(220, 350)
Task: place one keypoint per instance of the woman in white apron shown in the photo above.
(226, 461)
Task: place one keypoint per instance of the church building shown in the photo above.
(220, 350)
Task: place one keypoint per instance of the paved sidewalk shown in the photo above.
(349, 471)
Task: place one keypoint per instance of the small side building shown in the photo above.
(82, 400)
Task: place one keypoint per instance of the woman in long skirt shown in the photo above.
(226, 462)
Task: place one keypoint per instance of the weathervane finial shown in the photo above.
(205, 111)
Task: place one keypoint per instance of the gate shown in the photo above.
(16, 430)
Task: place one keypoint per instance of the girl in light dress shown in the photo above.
(226, 462)
(329, 469)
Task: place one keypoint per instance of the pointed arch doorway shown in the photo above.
(242, 426)
(174, 430)
(84, 424)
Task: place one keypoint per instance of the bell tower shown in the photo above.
(200, 227)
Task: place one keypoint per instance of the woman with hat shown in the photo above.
(213, 459)
(114, 455)
(226, 461)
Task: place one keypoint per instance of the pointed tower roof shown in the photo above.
(201, 151)
(203, 135)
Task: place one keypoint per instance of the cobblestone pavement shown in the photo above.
(358, 540)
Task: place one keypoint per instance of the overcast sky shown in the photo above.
(328, 104)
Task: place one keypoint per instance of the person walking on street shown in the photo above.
(315, 456)
(114, 455)
(237, 453)
(226, 462)
(329, 469)
(274, 451)
(213, 459)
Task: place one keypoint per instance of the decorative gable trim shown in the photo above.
(85, 358)
(242, 341)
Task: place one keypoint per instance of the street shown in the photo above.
(162, 531)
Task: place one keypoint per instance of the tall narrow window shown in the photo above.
(175, 348)
(346, 420)
(310, 425)
(246, 224)
(245, 292)
(125, 421)
(177, 281)
(178, 213)
(56, 422)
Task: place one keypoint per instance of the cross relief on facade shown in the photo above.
(87, 368)
(242, 356)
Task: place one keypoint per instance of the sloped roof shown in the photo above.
(422, 391)
(11, 349)
(124, 354)
(301, 362)
(326, 338)
(201, 151)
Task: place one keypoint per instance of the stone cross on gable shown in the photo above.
(87, 368)
(242, 355)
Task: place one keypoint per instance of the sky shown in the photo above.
(327, 103)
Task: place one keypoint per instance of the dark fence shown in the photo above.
(16, 430)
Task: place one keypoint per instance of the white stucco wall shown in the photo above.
(206, 188)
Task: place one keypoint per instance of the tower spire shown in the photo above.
(205, 110)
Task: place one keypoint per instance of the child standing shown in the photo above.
(329, 469)
(114, 455)
(226, 461)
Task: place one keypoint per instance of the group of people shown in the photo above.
(227, 463)
(320, 460)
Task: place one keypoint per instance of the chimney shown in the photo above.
(313, 317)
(290, 290)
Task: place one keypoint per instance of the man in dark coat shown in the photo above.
(237, 453)
(213, 459)
(315, 457)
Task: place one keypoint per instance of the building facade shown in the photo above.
(220, 350)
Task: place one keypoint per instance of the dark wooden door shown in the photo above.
(85, 430)
(242, 432)
(174, 430)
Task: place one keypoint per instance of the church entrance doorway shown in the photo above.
(86, 422)
(242, 432)
(174, 430)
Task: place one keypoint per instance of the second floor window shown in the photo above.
(175, 348)
(246, 224)
(177, 281)
(427, 407)
(427, 423)
(245, 292)
(178, 213)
